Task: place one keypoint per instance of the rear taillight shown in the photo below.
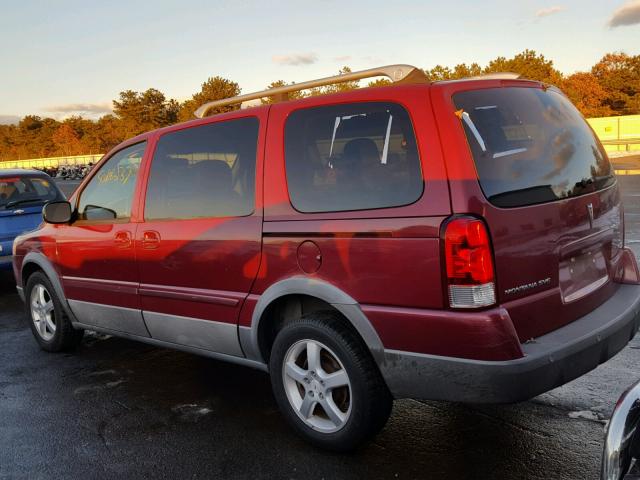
(469, 260)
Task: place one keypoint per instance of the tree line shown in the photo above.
(610, 87)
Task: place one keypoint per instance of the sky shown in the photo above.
(74, 57)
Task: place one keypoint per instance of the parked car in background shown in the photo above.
(23, 193)
(456, 240)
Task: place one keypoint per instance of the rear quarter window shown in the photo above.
(356, 156)
(531, 146)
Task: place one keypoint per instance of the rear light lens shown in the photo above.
(469, 260)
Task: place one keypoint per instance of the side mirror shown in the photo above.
(57, 212)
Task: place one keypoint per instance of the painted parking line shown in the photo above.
(633, 171)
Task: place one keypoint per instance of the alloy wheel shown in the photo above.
(317, 386)
(42, 312)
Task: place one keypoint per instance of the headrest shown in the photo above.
(216, 171)
(361, 149)
(170, 163)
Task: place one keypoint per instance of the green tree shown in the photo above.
(439, 73)
(336, 87)
(33, 137)
(619, 75)
(7, 142)
(67, 141)
(587, 94)
(528, 64)
(143, 111)
(215, 88)
(290, 96)
(380, 82)
(463, 70)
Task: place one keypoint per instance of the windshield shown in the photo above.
(531, 146)
(26, 191)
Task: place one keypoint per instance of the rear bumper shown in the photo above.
(550, 361)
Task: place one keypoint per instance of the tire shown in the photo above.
(340, 417)
(49, 323)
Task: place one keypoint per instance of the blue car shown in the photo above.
(23, 193)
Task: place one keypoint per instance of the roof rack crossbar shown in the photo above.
(395, 73)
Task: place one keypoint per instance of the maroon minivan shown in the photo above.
(458, 240)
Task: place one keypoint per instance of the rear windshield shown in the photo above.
(531, 146)
(26, 191)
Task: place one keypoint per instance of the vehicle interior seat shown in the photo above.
(213, 187)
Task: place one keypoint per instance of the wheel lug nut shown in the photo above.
(321, 395)
(311, 394)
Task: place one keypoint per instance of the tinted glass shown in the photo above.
(109, 194)
(205, 171)
(26, 191)
(351, 157)
(531, 146)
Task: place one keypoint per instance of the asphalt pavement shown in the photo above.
(120, 408)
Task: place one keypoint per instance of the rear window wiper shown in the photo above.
(466, 118)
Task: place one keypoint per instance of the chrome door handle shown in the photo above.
(123, 239)
(150, 239)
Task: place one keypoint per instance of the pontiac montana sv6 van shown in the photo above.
(457, 240)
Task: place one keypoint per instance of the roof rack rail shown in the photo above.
(395, 73)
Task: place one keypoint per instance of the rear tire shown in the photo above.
(49, 323)
(327, 384)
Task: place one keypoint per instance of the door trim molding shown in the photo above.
(218, 297)
(117, 286)
(207, 335)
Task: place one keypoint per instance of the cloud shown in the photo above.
(342, 58)
(295, 59)
(73, 108)
(9, 119)
(627, 14)
(545, 12)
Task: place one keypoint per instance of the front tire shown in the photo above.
(327, 384)
(49, 323)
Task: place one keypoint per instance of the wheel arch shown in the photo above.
(36, 261)
(315, 292)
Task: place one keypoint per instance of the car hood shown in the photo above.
(18, 220)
